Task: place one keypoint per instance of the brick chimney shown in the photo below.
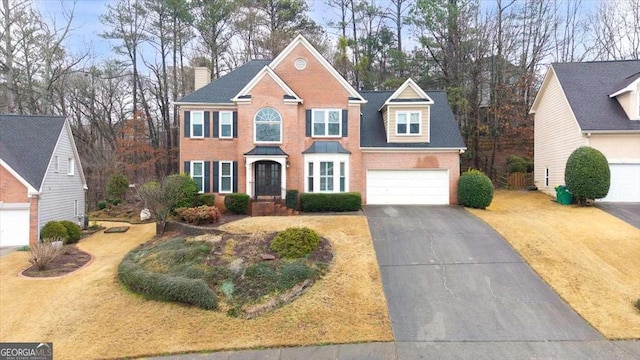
(202, 77)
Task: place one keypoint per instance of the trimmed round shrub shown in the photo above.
(587, 174)
(475, 189)
(73, 230)
(519, 164)
(117, 186)
(54, 229)
(205, 199)
(295, 242)
(237, 203)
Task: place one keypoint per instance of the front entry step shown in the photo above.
(271, 208)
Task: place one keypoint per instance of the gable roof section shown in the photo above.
(27, 144)
(354, 96)
(443, 126)
(243, 95)
(223, 89)
(626, 85)
(422, 99)
(587, 86)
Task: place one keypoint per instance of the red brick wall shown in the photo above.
(413, 160)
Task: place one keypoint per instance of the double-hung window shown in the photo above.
(226, 176)
(326, 176)
(197, 124)
(56, 163)
(226, 124)
(310, 177)
(326, 122)
(408, 122)
(197, 174)
(71, 166)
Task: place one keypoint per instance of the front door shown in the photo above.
(267, 178)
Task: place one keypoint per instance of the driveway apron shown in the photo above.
(449, 277)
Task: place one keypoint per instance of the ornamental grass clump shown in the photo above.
(475, 189)
(44, 252)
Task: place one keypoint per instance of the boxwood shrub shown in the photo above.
(475, 189)
(204, 199)
(318, 202)
(54, 229)
(73, 230)
(165, 287)
(587, 174)
(237, 203)
(295, 242)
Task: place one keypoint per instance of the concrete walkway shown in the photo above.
(456, 290)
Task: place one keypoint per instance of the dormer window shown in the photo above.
(408, 122)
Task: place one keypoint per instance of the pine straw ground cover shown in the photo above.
(88, 314)
(590, 258)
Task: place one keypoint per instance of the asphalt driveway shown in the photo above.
(628, 212)
(453, 285)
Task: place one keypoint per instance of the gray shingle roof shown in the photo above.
(444, 128)
(267, 150)
(27, 144)
(587, 86)
(326, 147)
(222, 90)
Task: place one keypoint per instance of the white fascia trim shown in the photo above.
(545, 81)
(202, 104)
(31, 191)
(301, 40)
(621, 132)
(411, 150)
(259, 76)
(403, 87)
(631, 87)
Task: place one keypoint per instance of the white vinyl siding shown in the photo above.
(59, 190)
(557, 135)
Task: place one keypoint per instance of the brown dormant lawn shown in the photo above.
(590, 258)
(88, 314)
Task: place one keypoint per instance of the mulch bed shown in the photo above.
(69, 261)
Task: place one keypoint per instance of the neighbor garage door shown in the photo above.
(408, 187)
(625, 183)
(14, 224)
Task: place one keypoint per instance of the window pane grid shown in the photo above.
(226, 124)
(197, 124)
(267, 125)
(326, 123)
(226, 175)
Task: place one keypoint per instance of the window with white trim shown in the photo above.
(226, 124)
(197, 174)
(197, 124)
(326, 122)
(71, 166)
(56, 163)
(226, 176)
(326, 173)
(408, 122)
(268, 126)
(75, 208)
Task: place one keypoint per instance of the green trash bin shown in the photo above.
(563, 196)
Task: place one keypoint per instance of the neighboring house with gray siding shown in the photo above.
(41, 177)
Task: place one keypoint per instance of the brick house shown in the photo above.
(295, 123)
(41, 178)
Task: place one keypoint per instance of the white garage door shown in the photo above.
(14, 224)
(408, 187)
(625, 183)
